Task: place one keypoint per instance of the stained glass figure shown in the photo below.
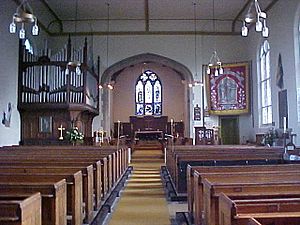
(148, 94)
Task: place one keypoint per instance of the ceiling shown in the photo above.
(143, 17)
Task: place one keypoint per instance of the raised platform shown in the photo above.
(146, 151)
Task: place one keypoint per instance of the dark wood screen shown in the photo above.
(50, 97)
(283, 107)
(145, 123)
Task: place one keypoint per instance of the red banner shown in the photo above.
(228, 94)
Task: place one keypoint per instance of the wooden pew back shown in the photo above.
(21, 210)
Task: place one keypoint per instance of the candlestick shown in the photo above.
(119, 123)
(172, 126)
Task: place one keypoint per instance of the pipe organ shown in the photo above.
(49, 96)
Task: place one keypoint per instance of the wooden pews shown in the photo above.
(20, 210)
(73, 180)
(210, 183)
(53, 197)
(89, 174)
(207, 172)
(195, 186)
(277, 210)
(179, 157)
(243, 185)
(253, 221)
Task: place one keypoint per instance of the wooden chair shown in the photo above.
(204, 136)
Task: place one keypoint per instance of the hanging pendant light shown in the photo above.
(196, 82)
(24, 14)
(214, 61)
(74, 65)
(260, 24)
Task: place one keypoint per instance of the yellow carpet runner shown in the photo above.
(143, 200)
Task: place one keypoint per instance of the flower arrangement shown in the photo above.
(269, 137)
(74, 136)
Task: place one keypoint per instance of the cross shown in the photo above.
(61, 129)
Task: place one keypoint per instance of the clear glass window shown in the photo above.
(265, 84)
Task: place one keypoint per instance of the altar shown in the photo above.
(148, 135)
(148, 127)
(149, 123)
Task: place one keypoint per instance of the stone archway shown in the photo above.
(112, 73)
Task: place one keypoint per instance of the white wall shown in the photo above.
(124, 93)
(281, 21)
(177, 47)
(8, 75)
(9, 46)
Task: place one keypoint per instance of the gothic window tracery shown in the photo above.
(148, 94)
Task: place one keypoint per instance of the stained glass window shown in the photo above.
(148, 94)
(265, 84)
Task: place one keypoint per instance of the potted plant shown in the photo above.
(269, 137)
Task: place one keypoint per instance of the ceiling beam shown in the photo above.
(122, 33)
(153, 19)
(271, 5)
(54, 15)
(239, 14)
(146, 9)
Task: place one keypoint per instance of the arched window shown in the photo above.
(265, 84)
(148, 94)
(297, 60)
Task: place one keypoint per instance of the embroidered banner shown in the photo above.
(228, 94)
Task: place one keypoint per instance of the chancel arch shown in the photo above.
(119, 103)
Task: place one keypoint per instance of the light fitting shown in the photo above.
(260, 22)
(107, 85)
(198, 83)
(195, 82)
(74, 65)
(216, 64)
(110, 86)
(107, 37)
(23, 15)
(214, 61)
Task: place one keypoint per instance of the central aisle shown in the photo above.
(143, 200)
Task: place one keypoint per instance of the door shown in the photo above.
(229, 130)
(283, 108)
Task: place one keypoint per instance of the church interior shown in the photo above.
(150, 112)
